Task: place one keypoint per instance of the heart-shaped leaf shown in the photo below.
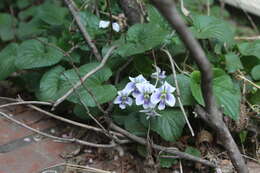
(7, 58)
(224, 90)
(35, 54)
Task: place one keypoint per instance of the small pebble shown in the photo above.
(53, 131)
(90, 160)
(27, 139)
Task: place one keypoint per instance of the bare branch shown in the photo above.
(211, 115)
(85, 77)
(64, 119)
(73, 140)
(142, 141)
(251, 38)
(78, 167)
(74, 11)
(25, 103)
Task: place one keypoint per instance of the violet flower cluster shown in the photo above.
(146, 94)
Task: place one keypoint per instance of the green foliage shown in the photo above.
(233, 62)
(49, 84)
(250, 49)
(224, 90)
(91, 22)
(7, 23)
(42, 68)
(52, 14)
(185, 90)
(133, 124)
(193, 151)
(140, 38)
(167, 163)
(35, 54)
(256, 72)
(208, 27)
(169, 125)
(7, 58)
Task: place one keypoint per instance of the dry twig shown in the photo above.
(74, 11)
(63, 119)
(142, 141)
(25, 103)
(73, 140)
(85, 77)
(252, 38)
(78, 167)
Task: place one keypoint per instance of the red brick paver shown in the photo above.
(20, 152)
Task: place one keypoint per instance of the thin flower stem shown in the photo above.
(178, 90)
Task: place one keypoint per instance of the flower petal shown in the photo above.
(104, 24)
(141, 87)
(146, 104)
(122, 106)
(136, 92)
(155, 98)
(116, 27)
(168, 87)
(139, 100)
(129, 101)
(130, 86)
(140, 79)
(118, 100)
(170, 100)
(161, 105)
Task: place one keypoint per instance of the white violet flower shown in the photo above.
(164, 96)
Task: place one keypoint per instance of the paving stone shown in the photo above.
(20, 152)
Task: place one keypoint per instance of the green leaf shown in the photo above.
(140, 38)
(23, 3)
(81, 112)
(35, 54)
(29, 29)
(49, 84)
(224, 90)
(7, 23)
(193, 151)
(209, 27)
(185, 90)
(167, 162)
(242, 136)
(31, 81)
(102, 93)
(143, 64)
(169, 125)
(256, 72)
(52, 14)
(155, 17)
(133, 125)
(7, 59)
(250, 49)
(233, 62)
(255, 98)
(91, 22)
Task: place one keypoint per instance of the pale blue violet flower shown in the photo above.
(131, 86)
(143, 98)
(164, 96)
(150, 113)
(159, 74)
(123, 99)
